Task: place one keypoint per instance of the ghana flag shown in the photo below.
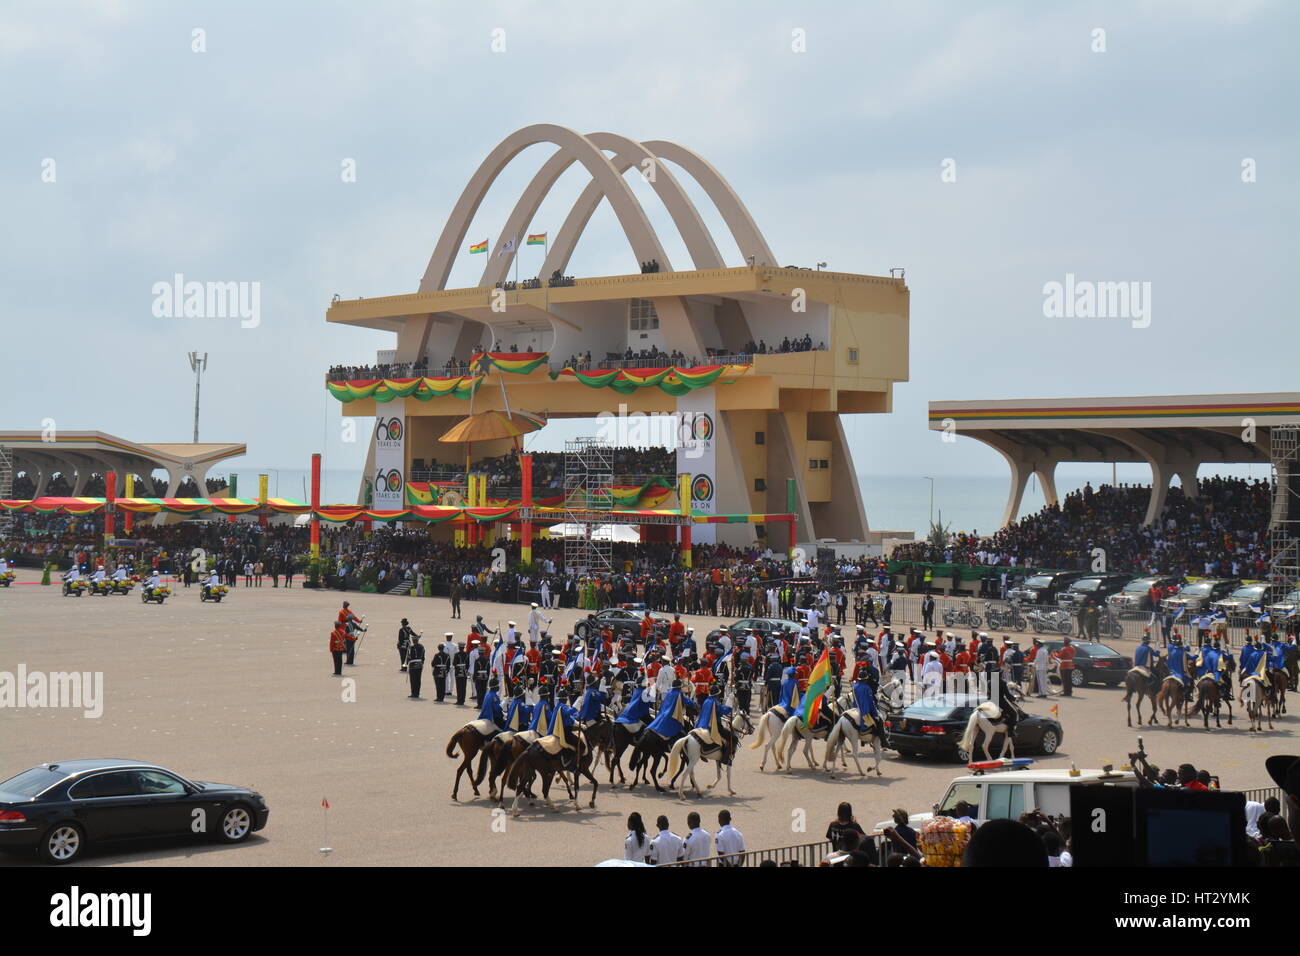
(818, 683)
(537, 239)
(478, 247)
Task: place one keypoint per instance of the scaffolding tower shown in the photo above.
(1284, 518)
(588, 501)
(6, 484)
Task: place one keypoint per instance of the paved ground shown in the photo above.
(242, 692)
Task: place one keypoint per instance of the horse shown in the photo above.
(794, 731)
(986, 722)
(1171, 697)
(845, 734)
(471, 739)
(647, 750)
(1142, 682)
(689, 750)
(1252, 698)
(1209, 697)
(1276, 691)
(770, 726)
(537, 760)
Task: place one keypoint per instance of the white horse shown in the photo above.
(697, 746)
(845, 733)
(986, 719)
(770, 726)
(1252, 697)
(794, 731)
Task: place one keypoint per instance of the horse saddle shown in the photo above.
(1142, 671)
(706, 742)
(990, 710)
(1254, 677)
(1181, 681)
(1207, 677)
(484, 727)
(633, 727)
(551, 744)
(782, 710)
(863, 723)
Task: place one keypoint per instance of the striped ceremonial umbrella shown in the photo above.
(487, 426)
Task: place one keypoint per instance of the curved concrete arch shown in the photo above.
(645, 244)
(690, 224)
(734, 212)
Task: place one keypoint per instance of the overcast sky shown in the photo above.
(225, 165)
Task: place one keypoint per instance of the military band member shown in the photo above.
(415, 665)
(404, 635)
(441, 667)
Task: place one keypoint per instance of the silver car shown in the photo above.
(1199, 595)
(1237, 604)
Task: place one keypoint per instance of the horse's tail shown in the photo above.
(967, 741)
(761, 737)
(451, 744)
(675, 758)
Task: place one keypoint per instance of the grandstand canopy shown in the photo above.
(1174, 434)
(78, 454)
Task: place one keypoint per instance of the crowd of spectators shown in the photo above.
(61, 486)
(1223, 531)
(629, 465)
(788, 344)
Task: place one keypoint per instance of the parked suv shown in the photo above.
(1237, 604)
(1135, 597)
(1199, 595)
(1043, 587)
(1094, 587)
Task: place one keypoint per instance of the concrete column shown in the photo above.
(1020, 471)
(1187, 478)
(1046, 472)
(1160, 475)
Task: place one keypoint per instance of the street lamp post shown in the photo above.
(197, 365)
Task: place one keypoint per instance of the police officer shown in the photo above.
(460, 671)
(742, 674)
(441, 666)
(404, 635)
(479, 666)
(772, 675)
(415, 665)
(456, 591)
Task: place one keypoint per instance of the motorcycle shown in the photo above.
(103, 587)
(124, 586)
(213, 593)
(158, 594)
(963, 618)
(1042, 620)
(7, 578)
(74, 588)
(1004, 618)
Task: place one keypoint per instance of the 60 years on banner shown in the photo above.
(697, 416)
(389, 479)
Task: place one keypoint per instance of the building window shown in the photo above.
(812, 464)
(641, 315)
(760, 484)
(823, 464)
(760, 438)
(853, 356)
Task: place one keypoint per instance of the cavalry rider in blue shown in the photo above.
(519, 713)
(1178, 659)
(637, 711)
(491, 709)
(564, 727)
(1146, 655)
(1277, 653)
(1254, 660)
(713, 714)
(1225, 668)
(670, 722)
(541, 719)
(1208, 661)
(592, 705)
(789, 701)
(864, 698)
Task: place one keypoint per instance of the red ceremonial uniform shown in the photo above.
(338, 639)
(860, 669)
(961, 664)
(703, 680)
(647, 625)
(801, 674)
(652, 671)
(534, 660)
(676, 631)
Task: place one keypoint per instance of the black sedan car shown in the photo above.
(57, 809)
(623, 621)
(935, 726)
(1095, 663)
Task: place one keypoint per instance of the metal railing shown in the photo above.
(801, 854)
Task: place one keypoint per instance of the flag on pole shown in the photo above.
(324, 803)
(478, 247)
(818, 681)
(1056, 710)
(537, 239)
(507, 247)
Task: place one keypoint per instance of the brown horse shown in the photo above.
(1172, 697)
(1143, 685)
(1208, 697)
(1277, 691)
(471, 742)
(535, 761)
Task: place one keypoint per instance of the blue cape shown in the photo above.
(637, 710)
(541, 720)
(865, 698)
(591, 704)
(491, 709)
(709, 709)
(668, 722)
